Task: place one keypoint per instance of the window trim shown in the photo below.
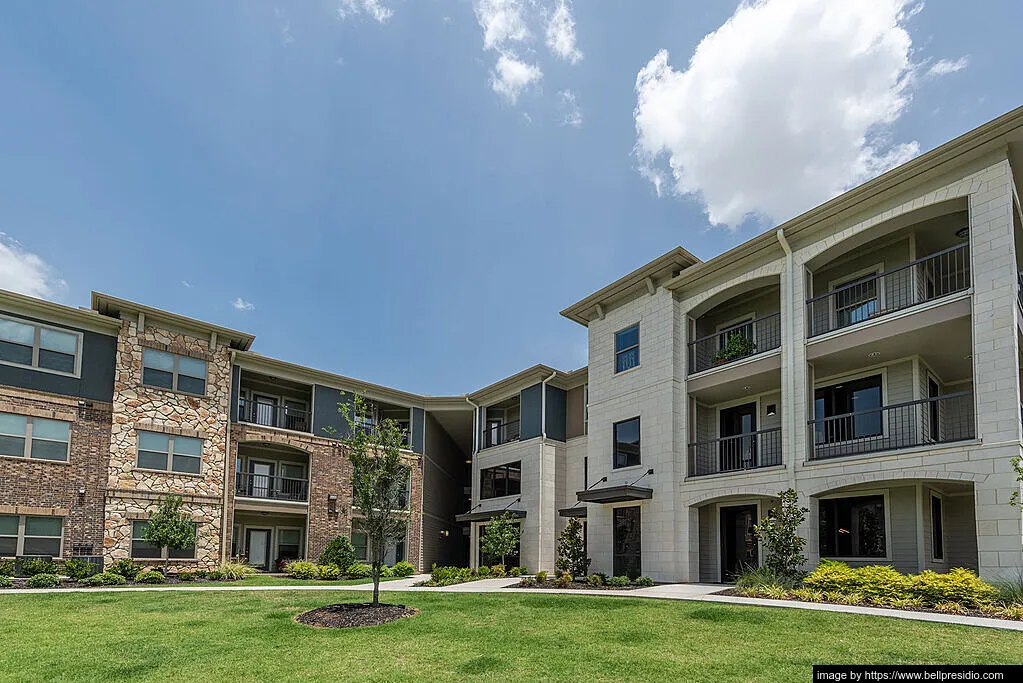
(887, 525)
(20, 538)
(174, 373)
(79, 342)
(170, 454)
(614, 442)
(164, 552)
(506, 466)
(27, 453)
(636, 346)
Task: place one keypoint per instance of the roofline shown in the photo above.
(529, 377)
(102, 303)
(677, 256)
(31, 306)
(989, 134)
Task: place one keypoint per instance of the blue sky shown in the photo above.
(408, 191)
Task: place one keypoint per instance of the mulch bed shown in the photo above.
(576, 585)
(351, 615)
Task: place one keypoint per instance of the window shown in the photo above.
(627, 558)
(852, 527)
(25, 535)
(39, 346)
(512, 559)
(144, 550)
(503, 480)
(289, 544)
(169, 453)
(861, 397)
(626, 440)
(171, 371)
(627, 348)
(361, 544)
(856, 300)
(937, 529)
(34, 437)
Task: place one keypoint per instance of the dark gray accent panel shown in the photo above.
(418, 424)
(236, 380)
(556, 413)
(99, 353)
(529, 412)
(325, 410)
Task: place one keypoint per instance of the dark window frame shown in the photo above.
(616, 463)
(620, 352)
(491, 489)
(175, 373)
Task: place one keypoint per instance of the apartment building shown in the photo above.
(865, 354)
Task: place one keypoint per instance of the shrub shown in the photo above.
(6, 567)
(1009, 592)
(32, 566)
(234, 571)
(201, 574)
(5, 581)
(562, 580)
(78, 569)
(783, 547)
(807, 595)
(572, 549)
(447, 576)
(881, 583)
(595, 580)
(302, 569)
(644, 581)
(44, 581)
(516, 571)
(951, 608)
(403, 569)
(149, 576)
(541, 577)
(215, 575)
(329, 572)
(483, 572)
(359, 571)
(386, 572)
(959, 585)
(618, 581)
(830, 577)
(527, 582)
(185, 576)
(497, 571)
(339, 552)
(762, 577)
(125, 568)
(105, 579)
(1011, 612)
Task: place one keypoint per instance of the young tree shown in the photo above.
(500, 536)
(170, 528)
(380, 479)
(779, 534)
(572, 550)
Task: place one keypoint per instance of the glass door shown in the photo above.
(738, 445)
(261, 479)
(257, 543)
(627, 560)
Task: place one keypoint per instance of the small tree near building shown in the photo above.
(778, 531)
(572, 550)
(170, 528)
(500, 536)
(380, 479)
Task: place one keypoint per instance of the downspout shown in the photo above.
(473, 544)
(225, 549)
(475, 426)
(543, 440)
(788, 348)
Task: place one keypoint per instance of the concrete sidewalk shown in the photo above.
(674, 591)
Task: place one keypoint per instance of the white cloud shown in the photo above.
(943, 67)
(561, 33)
(186, 284)
(510, 76)
(242, 305)
(785, 105)
(571, 114)
(373, 8)
(27, 273)
(502, 21)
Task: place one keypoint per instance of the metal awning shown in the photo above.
(487, 516)
(615, 494)
(577, 511)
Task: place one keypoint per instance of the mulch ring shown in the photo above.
(352, 614)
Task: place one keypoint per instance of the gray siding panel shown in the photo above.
(556, 413)
(418, 417)
(575, 412)
(529, 412)
(960, 532)
(236, 380)
(325, 412)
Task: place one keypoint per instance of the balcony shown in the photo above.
(937, 420)
(734, 343)
(735, 453)
(498, 433)
(935, 276)
(269, 414)
(270, 487)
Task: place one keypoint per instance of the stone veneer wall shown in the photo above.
(133, 493)
(41, 487)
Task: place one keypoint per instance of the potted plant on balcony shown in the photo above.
(737, 346)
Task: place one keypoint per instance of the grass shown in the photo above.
(267, 580)
(216, 636)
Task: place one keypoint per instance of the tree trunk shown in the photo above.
(376, 586)
(166, 563)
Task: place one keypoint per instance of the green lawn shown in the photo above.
(229, 636)
(267, 580)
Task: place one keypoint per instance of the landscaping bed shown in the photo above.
(353, 615)
(576, 584)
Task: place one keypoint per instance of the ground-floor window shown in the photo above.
(143, 549)
(29, 535)
(627, 548)
(289, 545)
(853, 527)
(512, 559)
(937, 529)
(395, 550)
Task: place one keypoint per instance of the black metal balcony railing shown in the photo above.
(273, 415)
(940, 419)
(269, 487)
(1019, 288)
(733, 453)
(497, 434)
(736, 342)
(923, 280)
(371, 428)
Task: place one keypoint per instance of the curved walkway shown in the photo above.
(673, 591)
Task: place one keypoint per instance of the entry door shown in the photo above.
(738, 453)
(738, 542)
(266, 411)
(257, 543)
(627, 559)
(261, 479)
